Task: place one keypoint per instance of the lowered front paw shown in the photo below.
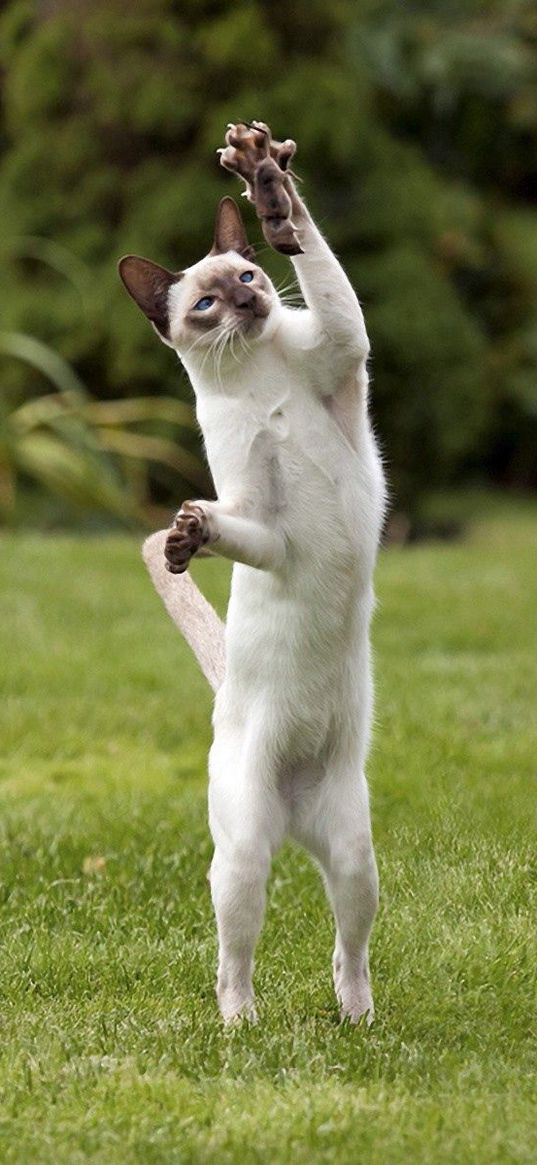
(190, 531)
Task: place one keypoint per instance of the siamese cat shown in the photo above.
(281, 399)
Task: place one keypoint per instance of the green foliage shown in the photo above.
(112, 1050)
(84, 450)
(421, 326)
(417, 145)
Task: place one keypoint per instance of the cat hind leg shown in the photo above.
(247, 821)
(238, 878)
(352, 889)
(334, 825)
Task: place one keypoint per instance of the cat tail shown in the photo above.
(190, 611)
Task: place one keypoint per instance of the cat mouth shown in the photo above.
(252, 323)
(251, 315)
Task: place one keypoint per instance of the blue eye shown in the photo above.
(246, 277)
(204, 303)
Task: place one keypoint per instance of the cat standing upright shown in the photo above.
(281, 398)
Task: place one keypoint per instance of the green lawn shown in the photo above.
(111, 1048)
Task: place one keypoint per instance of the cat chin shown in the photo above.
(252, 328)
(255, 328)
(264, 327)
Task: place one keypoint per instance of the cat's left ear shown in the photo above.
(229, 232)
(149, 284)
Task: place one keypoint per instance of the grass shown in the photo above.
(111, 1051)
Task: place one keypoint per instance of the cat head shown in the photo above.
(224, 295)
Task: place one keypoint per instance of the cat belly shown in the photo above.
(297, 653)
(297, 662)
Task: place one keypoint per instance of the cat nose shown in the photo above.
(243, 297)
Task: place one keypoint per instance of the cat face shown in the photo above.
(222, 296)
(225, 295)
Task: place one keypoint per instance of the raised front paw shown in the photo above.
(248, 144)
(190, 531)
(251, 152)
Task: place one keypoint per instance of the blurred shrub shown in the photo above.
(92, 454)
(417, 135)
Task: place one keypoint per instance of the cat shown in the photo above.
(281, 399)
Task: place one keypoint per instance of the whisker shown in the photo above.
(245, 345)
(260, 248)
(290, 294)
(293, 283)
(225, 336)
(194, 345)
(221, 332)
(213, 353)
(220, 346)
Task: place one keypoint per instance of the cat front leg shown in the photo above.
(262, 163)
(212, 524)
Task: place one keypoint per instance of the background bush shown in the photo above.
(417, 133)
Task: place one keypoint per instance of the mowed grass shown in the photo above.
(111, 1048)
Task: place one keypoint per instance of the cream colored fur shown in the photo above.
(190, 611)
(300, 506)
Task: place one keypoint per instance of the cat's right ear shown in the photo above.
(149, 284)
(229, 232)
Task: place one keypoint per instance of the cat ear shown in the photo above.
(149, 284)
(229, 232)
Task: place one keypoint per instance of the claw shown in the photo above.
(262, 164)
(257, 126)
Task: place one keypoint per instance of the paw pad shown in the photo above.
(189, 532)
(252, 153)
